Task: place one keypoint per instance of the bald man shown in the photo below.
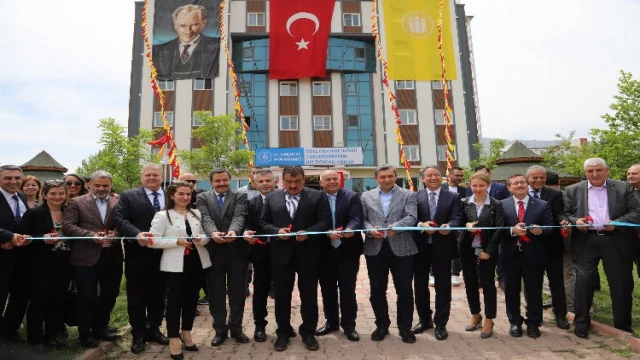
(191, 179)
(340, 257)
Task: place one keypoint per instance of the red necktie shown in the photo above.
(520, 211)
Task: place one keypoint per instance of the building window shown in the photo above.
(196, 120)
(288, 123)
(351, 88)
(412, 152)
(321, 89)
(157, 118)
(442, 153)
(322, 122)
(360, 53)
(245, 88)
(408, 117)
(288, 88)
(203, 84)
(437, 85)
(352, 121)
(351, 19)
(439, 116)
(404, 85)
(247, 53)
(166, 85)
(255, 19)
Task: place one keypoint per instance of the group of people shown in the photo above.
(173, 240)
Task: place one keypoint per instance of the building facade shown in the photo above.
(347, 108)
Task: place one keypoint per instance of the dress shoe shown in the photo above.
(533, 332)
(310, 343)
(562, 322)
(379, 334)
(281, 344)
(625, 329)
(138, 345)
(407, 336)
(441, 333)
(240, 337)
(293, 333)
(192, 347)
(154, 335)
(107, 336)
(515, 330)
(581, 333)
(177, 356)
(260, 335)
(326, 329)
(89, 343)
(422, 326)
(219, 339)
(476, 326)
(352, 334)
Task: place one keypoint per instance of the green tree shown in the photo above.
(567, 156)
(219, 137)
(120, 155)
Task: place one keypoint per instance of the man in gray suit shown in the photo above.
(385, 207)
(593, 204)
(223, 217)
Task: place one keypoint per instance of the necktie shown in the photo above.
(432, 205)
(520, 211)
(156, 202)
(537, 194)
(220, 201)
(292, 205)
(185, 53)
(17, 214)
(332, 205)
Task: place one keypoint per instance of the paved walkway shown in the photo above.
(554, 343)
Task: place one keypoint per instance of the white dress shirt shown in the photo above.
(160, 197)
(12, 202)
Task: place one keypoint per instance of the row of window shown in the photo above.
(290, 88)
(259, 19)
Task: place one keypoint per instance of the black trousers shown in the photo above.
(48, 289)
(183, 292)
(94, 313)
(486, 270)
(554, 266)
(339, 272)
(14, 268)
(226, 274)
(401, 268)
(283, 281)
(424, 260)
(618, 268)
(516, 270)
(261, 287)
(146, 286)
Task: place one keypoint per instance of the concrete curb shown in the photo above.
(606, 330)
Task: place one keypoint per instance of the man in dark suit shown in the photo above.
(340, 257)
(264, 181)
(192, 55)
(386, 251)
(455, 178)
(523, 254)
(438, 210)
(13, 266)
(497, 191)
(290, 213)
(633, 179)
(95, 262)
(553, 244)
(593, 204)
(223, 216)
(146, 284)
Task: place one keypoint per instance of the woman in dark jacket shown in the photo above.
(480, 247)
(49, 265)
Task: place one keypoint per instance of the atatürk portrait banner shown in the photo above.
(186, 39)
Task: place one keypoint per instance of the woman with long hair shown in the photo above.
(480, 248)
(31, 188)
(49, 272)
(76, 185)
(177, 230)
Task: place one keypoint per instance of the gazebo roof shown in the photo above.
(43, 162)
(518, 152)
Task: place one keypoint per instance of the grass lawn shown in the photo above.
(602, 302)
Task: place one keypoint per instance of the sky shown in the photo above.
(543, 67)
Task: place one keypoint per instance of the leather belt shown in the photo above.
(600, 232)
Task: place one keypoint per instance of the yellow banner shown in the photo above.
(412, 40)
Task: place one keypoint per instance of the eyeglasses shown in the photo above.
(191, 181)
(76, 183)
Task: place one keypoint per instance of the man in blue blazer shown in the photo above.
(438, 209)
(497, 191)
(523, 254)
(340, 257)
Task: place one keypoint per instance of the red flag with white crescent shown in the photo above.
(299, 38)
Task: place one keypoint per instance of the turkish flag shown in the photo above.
(299, 37)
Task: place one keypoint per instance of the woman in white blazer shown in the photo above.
(177, 231)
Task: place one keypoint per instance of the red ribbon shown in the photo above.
(259, 242)
(564, 232)
(525, 238)
(150, 236)
(479, 233)
(589, 219)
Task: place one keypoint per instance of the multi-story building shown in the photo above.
(347, 108)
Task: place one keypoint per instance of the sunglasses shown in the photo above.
(76, 183)
(191, 181)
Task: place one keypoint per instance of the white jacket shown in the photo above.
(166, 237)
